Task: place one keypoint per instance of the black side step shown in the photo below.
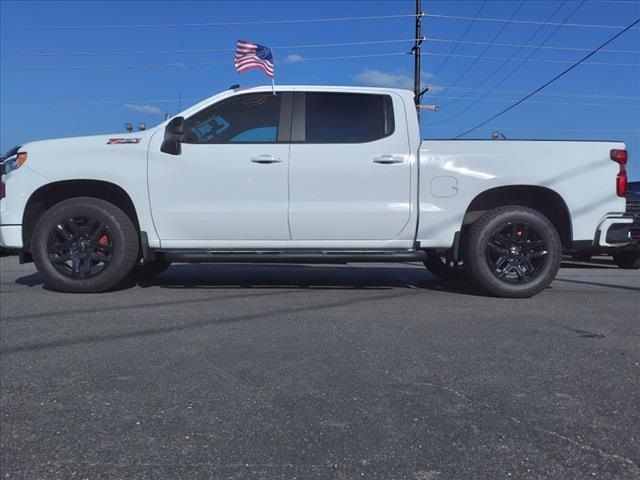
(293, 256)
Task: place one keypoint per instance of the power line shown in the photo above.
(551, 94)
(486, 49)
(525, 22)
(517, 67)
(608, 105)
(561, 74)
(23, 27)
(535, 60)
(291, 61)
(201, 64)
(202, 50)
(316, 45)
(512, 57)
(211, 24)
(515, 45)
(457, 43)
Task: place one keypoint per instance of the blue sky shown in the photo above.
(42, 97)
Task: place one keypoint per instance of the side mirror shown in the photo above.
(173, 136)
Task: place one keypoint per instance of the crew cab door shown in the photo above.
(230, 180)
(350, 173)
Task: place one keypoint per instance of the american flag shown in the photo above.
(251, 55)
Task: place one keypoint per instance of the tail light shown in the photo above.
(620, 157)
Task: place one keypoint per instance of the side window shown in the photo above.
(251, 118)
(347, 117)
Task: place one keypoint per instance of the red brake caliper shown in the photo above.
(104, 241)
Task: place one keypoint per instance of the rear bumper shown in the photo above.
(11, 237)
(618, 230)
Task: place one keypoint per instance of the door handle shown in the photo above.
(266, 159)
(388, 159)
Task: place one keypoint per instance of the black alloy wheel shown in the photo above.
(513, 251)
(80, 247)
(516, 252)
(84, 245)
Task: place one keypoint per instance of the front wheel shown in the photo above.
(627, 260)
(513, 251)
(84, 245)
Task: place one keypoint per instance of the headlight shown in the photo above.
(14, 162)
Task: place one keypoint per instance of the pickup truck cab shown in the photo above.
(309, 174)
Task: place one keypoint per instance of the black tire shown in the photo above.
(84, 245)
(444, 267)
(627, 260)
(513, 252)
(581, 257)
(151, 269)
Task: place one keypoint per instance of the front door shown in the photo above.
(230, 180)
(350, 172)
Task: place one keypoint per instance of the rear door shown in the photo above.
(349, 172)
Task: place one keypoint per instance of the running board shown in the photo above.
(293, 256)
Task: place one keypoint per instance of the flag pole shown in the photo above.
(273, 77)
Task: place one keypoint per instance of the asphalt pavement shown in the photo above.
(328, 372)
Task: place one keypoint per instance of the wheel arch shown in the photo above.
(545, 200)
(50, 194)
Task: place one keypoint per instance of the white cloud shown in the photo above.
(377, 78)
(425, 74)
(144, 108)
(293, 58)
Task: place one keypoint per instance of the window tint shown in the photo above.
(347, 117)
(249, 118)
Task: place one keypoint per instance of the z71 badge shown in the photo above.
(116, 141)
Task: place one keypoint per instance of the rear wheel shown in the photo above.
(84, 245)
(627, 260)
(513, 251)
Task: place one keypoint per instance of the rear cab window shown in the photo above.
(347, 117)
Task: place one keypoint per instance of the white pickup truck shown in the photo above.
(310, 174)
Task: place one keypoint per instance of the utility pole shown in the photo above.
(418, 39)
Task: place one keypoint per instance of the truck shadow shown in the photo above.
(593, 263)
(269, 276)
(319, 277)
(316, 277)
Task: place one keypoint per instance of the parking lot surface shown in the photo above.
(336, 372)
